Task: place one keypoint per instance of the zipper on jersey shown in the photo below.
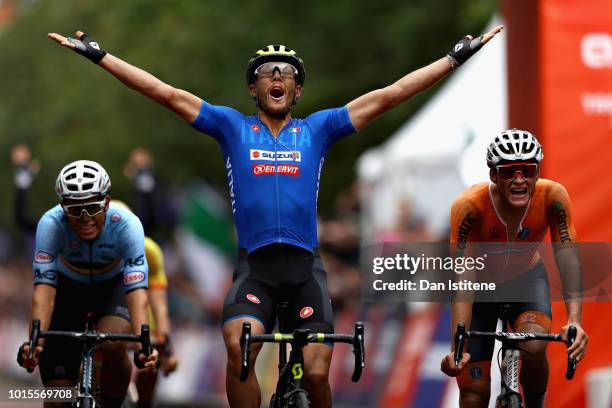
(278, 220)
(90, 244)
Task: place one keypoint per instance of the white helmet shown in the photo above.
(82, 179)
(514, 145)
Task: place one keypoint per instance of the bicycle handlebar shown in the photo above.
(357, 340)
(571, 362)
(459, 342)
(461, 334)
(89, 335)
(33, 342)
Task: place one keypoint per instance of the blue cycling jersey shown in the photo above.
(274, 181)
(118, 249)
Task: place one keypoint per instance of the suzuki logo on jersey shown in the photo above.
(275, 156)
(133, 277)
(268, 169)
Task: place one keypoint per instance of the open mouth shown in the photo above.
(277, 93)
(518, 191)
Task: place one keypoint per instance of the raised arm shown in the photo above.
(371, 105)
(181, 102)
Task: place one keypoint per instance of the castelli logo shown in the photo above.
(74, 244)
(306, 312)
(115, 217)
(253, 298)
(255, 128)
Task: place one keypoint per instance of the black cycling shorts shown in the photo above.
(61, 357)
(281, 273)
(486, 314)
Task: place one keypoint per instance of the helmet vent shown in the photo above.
(513, 145)
(82, 179)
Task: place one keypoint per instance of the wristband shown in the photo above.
(88, 47)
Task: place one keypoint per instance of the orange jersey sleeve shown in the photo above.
(559, 213)
(463, 219)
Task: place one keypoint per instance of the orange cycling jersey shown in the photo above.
(475, 219)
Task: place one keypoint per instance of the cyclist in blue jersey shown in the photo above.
(273, 164)
(89, 258)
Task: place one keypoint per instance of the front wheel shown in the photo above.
(85, 402)
(509, 401)
(273, 401)
(301, 400)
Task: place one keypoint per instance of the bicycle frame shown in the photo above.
(510, 372)
(292, 371)
(510, 349)
(91, 340)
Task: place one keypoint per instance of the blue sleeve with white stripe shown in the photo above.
(135, 267)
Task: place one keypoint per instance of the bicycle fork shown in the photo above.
(510, 375)
(85, 385)
(510, 370)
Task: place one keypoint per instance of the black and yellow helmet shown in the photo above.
(276, 53)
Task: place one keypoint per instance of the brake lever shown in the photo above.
(34, 335)
(245, 346)
(359, 351)
(571, 362)
(459, 342)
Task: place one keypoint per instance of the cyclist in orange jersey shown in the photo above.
(516, 208)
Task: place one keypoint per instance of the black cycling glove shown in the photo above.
(88, 47)
(140, 364)
(464, 49)
(20, 354)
